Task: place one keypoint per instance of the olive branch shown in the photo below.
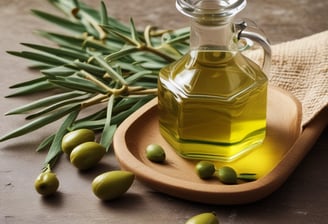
(102, 63)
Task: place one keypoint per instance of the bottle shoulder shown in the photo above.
(213, 74)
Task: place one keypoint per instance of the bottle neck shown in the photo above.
(212, 36)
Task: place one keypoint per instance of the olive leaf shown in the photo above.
(60, 52)
(55, 148)
(35, 86)
(103, 14)
(28, 83)
(108, 131)
(62, 22)
(40, 122)
(75, 83)
(45, 102)
(45, 143)
(46, 58)
(56, 105)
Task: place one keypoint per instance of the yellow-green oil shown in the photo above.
(212, 105)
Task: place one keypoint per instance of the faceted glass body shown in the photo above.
(212, 105)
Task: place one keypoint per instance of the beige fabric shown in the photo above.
(301, 67)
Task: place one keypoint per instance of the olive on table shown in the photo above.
(87, 155)
(205, 169)
(203, 218)
(46, 183)
(112, 184)
(76, 137)
(155, 153)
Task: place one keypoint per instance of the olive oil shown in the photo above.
(212, 105)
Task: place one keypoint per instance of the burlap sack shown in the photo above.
(301, 68)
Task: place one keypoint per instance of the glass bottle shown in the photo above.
(212, 102)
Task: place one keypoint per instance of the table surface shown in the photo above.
(303, 198)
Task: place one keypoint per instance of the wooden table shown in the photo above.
(302, 199)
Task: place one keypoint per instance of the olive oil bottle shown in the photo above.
(212, 102)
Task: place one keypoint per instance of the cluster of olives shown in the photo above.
(84, 153)
(82, 149)
(204, 169)
(225, 174)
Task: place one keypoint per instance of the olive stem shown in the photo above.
(247, 176)
(94, 23)
(46, 169)
(94, 100)
(114, 91)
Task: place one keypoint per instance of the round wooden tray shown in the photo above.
(272, 162)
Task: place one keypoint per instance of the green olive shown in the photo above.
(87, 155)
(76, 137)
(203, 218)
(227, 175)
(205, 169)
(46, 183)
(155, 153)
(112, 184)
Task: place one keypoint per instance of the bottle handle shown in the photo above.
(248, 30)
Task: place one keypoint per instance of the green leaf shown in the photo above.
(134, 32)
(115, 75)
(33, 88)
(50, 100)
(120, 117)
(75, 42)
(45, 143)
(62, 22)
(122, 36)
(40, 122)
(55, 148)
(40, 57)
(28, 83)
(95, 70)
(90, 124)
(62, 52)
(90, 29)
(124, 103)
(152, 65)
(117, 118)
(136, 76)
(108, 131)
(58, 71)
(94, 116)
(127, 66)
(122, 53)
(103, 14)
(78, 84)
(57, 106)
(39, 66)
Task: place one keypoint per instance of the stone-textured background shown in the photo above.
(302, 199)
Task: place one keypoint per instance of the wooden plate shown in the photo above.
(272, 162)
